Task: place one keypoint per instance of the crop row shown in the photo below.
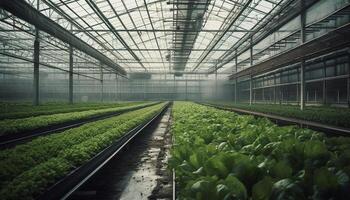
(13, 126)
(327, 115)
(15, 111)
(222, 155)
(28, 169)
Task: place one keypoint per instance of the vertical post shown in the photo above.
(174, 92)
(338, 97)
(302, 65)
(302, 85)
(116, 87)
(250, 90)
(263, 89)
(274, 89)
(200, 87)
(186, 87)
(348, 89)
(348, 84)
(281, 101)
(324, 86)
(101, 80)
(236, 78)
(315, 95)
(70, 95)
(297, 99)
(36, 69)
(251, 76)
(144, 89)
(216, 83)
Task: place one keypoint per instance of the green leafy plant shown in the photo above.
(325, 115)
(28, 169)
(221, 155)
(13, 126)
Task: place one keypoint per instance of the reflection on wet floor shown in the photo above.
(138, 173)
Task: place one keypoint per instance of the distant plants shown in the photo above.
(13, 126)
(22, 110)
(221, 155)
(27, 170)
(327, 115)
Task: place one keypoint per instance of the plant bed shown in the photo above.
(326, 115)
(31, 124)
(221, 155)
(27, 170)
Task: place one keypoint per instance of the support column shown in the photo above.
(250, 90)
(302, 85)
(101, 80)
(174, 92)
(116, 88)
(324, 86)
(263, 89)
(200, 87)
(186, 87)
(348, 85)
(348, 88)
(36, 69)
(274, 88)
(251, 76)
(302, 65)
(236, 78)
(70, 95)
(216, 83)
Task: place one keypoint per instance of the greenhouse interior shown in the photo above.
(175, 99)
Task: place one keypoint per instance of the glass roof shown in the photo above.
(159, 36)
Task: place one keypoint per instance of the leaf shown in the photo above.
(281, 170)
(215, 166)
(315, 149)
(286, 189)
(236, 186)
(262, 189)
(325, 180)
(204, 189)
(222, 190)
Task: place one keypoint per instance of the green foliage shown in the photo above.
(28, 169)
(221, 155)
(13, 126)
(22, 110)
(326, 115)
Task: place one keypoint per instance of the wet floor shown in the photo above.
(139, 172)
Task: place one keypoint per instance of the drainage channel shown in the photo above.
(139, 172)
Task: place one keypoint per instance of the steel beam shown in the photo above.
(324, 85)
(26, 12)
(348, 81)
(225, 31)
(286, 17)
(164, 30)
(251, 76)
(106, 22)
(274, 89)
(36, 69)
(70, 95)
(302, 65)
(101, 81)
(236, 79)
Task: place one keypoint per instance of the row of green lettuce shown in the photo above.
(13, 126)
(22, 110)
(27, 170)
(327, 115)
(221, 155)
